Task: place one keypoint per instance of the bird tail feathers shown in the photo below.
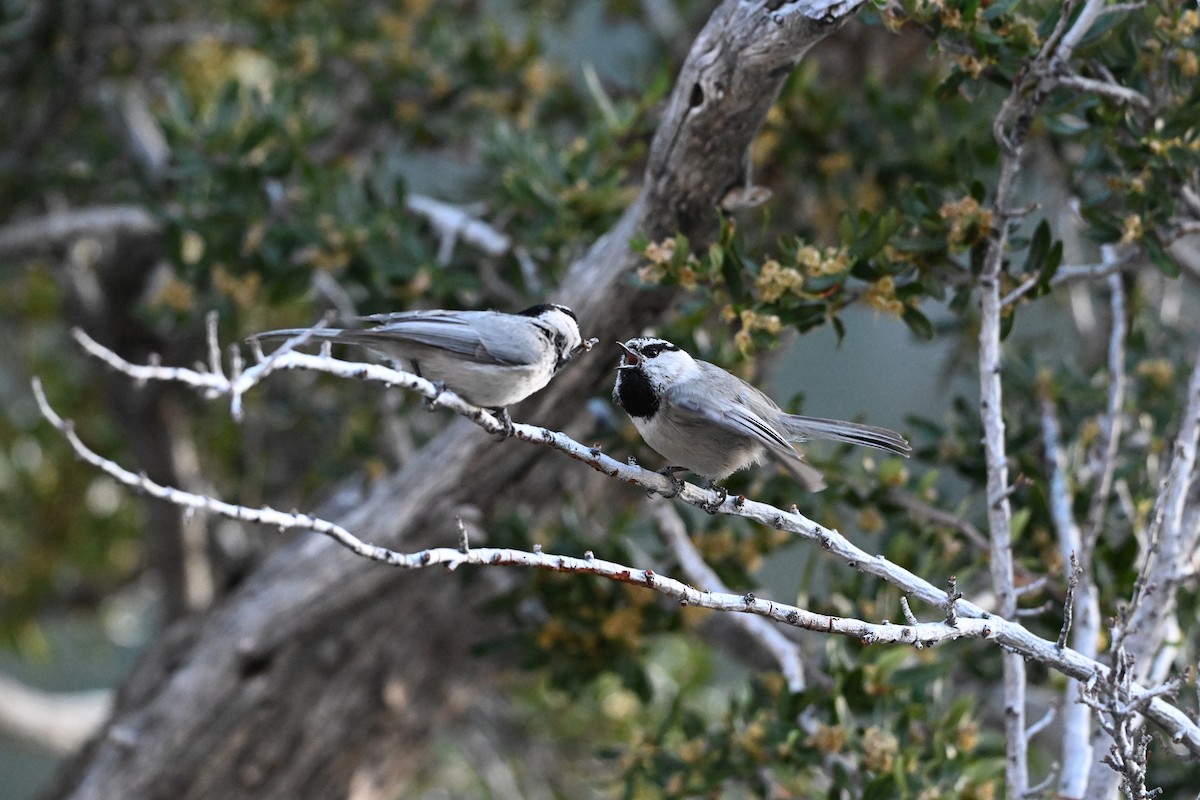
(800, 428)
(287, 333)
(805, 474)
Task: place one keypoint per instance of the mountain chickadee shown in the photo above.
(704, 420)
(488, 358)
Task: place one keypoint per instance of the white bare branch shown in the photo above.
(1171, 540)
(58, 229)
(1082, 610)
(1010, 129)
(1109, 263)
(1109, 89)
(999, 509)
(1110, 429)
(453, 223)
(454, 557)
(971, 620)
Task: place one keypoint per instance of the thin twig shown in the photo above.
(1042, 723)
(1033, 587)
(1110, 263)
(57, 229)
(1114, 91)
(1069, 602)
(1171, 541)
(938, 516)
(953, 595)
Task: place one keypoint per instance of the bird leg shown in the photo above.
(722, 494)
(501, 414)
(438, 388)
(669, 472)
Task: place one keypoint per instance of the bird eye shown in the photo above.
(653, 350)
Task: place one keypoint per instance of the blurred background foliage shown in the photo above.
(278, 144)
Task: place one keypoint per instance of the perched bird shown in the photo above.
(488, 358)
(704, 420)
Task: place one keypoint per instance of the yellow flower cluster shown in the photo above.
(816, 262)
(881, 296)
(879, 749)
(662, 255)
(1186, 24)
(661, 252)
(971, 65)
(243, 291)
(1189, 62)
(1158, 372)
(828, 739)
(1132, 229)
(175, 295)
(1189, 23)
(969, 222)
(752, 321)
(1164, 146)
(775, 280)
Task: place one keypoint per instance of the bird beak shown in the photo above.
(631, 358)
(583, 347)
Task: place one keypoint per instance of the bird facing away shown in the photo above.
(710, 422)
(489, 358)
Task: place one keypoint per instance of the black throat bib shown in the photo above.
(636, 395)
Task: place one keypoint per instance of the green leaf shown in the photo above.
(682, 247)
(999, 9)
(1039, 247)
(1020, 520)
(1160, 257)
(878, 231)
(803, 317)
(918, 323)
(1054, 260)
(716, 255)
(1105, 226)
(1006, 323)
(732, 268)
(882, 788)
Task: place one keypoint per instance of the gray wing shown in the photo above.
(745, 417)
(483, 337)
